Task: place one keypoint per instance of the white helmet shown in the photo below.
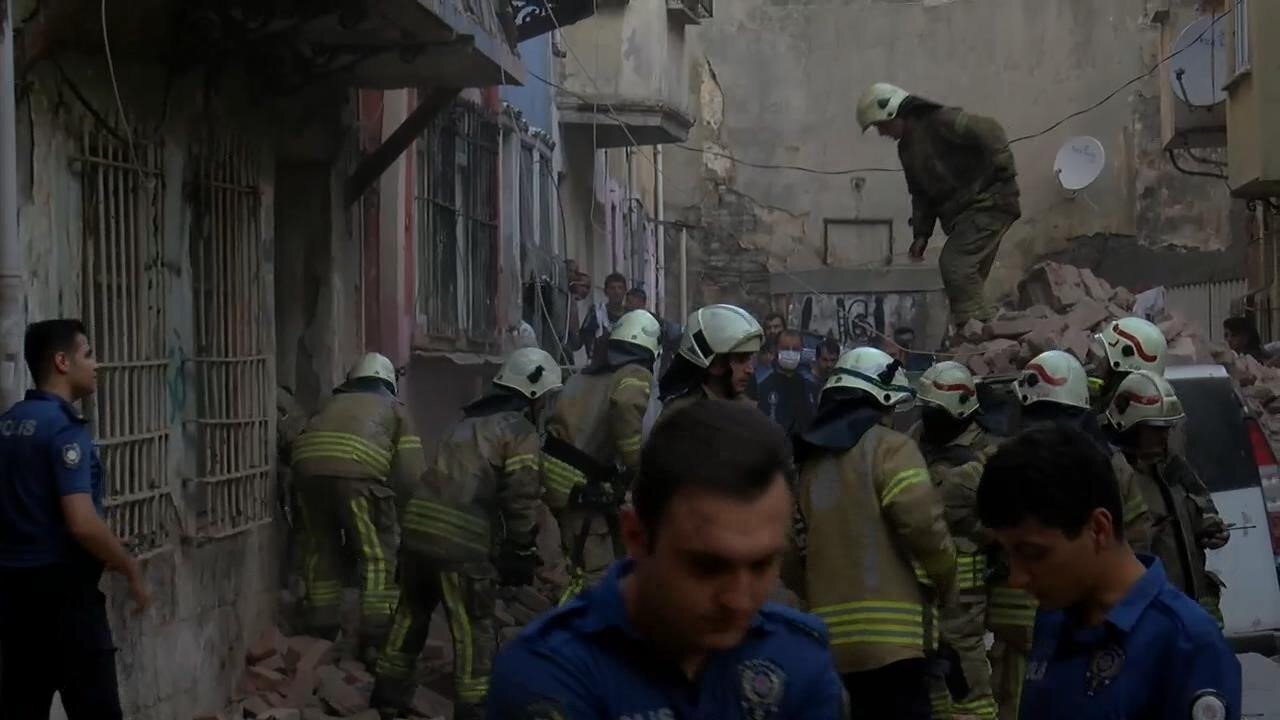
(1132, 343)
(1054, 377)
(950, 386)
(719, 330)
(374, 365)
(879, 103)
(531, 372)
(1144, 398)
(873, 372)
(638, 327)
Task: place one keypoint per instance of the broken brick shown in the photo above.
(282, 714)
(1173, 327)
(1011, 328)
(1000, 356)
(978, 365)
(1124, 300)
(335, 692)
(1086, 315)
(1078, 343)
(308, 652)
(972, 330)
(1096, 287)
(266, 680)
(351, 665)
(1053, 284)
(1039, 311)
(302, 688)
(430, 704)
(270, 644)
(256, 707)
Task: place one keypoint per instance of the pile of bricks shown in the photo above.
(1060, 307)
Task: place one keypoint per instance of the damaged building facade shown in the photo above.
(795, 208)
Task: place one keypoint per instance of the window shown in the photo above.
(232, 375)
(124, 301)
(457, 210)
(1243, 56)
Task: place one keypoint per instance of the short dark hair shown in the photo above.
(829, 345)
(47, 338)
(638, 292)
(724, 447)
(614, 277)
(1054, 474)
(779, 316)
(789, 333)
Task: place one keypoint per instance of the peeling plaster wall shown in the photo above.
(778, 83)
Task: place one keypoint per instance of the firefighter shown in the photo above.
(593, 445)
(350, 462)
(1052, 389)
(957, 449)
(1143, 410)
(715, 358)
(469, 525)
(1124, 345)
(879, 558)
(959, 171)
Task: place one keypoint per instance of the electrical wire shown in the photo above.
(115, 87)
(797, 168)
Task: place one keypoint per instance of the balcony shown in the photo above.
(690, 12)
(1253, 102)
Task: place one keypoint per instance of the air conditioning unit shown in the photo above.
(1193, 95)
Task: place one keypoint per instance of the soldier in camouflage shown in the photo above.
(352, 459)
(960, 172)
(592, 451)
(469, 525)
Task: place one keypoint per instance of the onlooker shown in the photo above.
(762, 367)
(1242, 336)
(1113, 637)
(636, 299)
(825, 362)
(912, 360)
(786, 395)
(773, 325)
(598, 323)
(54, 543)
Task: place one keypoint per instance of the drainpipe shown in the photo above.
(684, 273)
(12, 278)
(660, 234)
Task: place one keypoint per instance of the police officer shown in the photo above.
(349, 463)
(957, 448)
(959, 171)
(1113, 639)
(1144, 408)
(470, 523)
(680, 628)
(715, 358)
(879, 557)
(1052, 389)
(593, 445)
(1124, 346)
(54, 543)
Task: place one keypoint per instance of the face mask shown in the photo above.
(789, 359)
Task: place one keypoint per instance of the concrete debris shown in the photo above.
(1097, 288)
(1053, 284)
(428, 703)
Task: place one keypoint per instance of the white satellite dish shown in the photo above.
(1198, 71)
(1080, 161)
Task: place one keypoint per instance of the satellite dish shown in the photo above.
(1080, 161)
(1198, 71)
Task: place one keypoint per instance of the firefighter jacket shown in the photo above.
(879, 558)
(1170, 488)
(596, 428)
(701, 392)
(1137, 515)
(956, 162)
(481, 492)
(361, 434)
(956, 469)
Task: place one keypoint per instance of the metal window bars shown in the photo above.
(232, 384)
(124, 300)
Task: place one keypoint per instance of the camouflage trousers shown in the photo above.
(964, 628)
(966, 262)
(348, 524)
(470, 601)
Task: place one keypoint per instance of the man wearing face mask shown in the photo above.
(715, 358)
(957, 449)
(787, 396)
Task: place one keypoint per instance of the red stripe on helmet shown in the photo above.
(1045, 376)
(1137, 346)
(954, 387)
(1142, 399)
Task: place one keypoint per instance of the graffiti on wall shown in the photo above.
(855, 319)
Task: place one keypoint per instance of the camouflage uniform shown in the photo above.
(480, 495)
(956, 469)
(349, 463)
(960, 171)
(595, 435)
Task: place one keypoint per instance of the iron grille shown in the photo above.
(124, 298)
(232, 384)
(457, 205)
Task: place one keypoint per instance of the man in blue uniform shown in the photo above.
(54, 635)
(681, 630)
(1113, 638)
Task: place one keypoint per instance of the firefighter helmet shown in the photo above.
(1144, 398)
(874, 372)
(879, 103)
(531, 372)
(638, 327)
(719, 330)
(1054, 377)
(949, 386)
(1132, 343)
(374, 365)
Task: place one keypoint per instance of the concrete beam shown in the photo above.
(648, 122)
(873, 280)
(377, 162)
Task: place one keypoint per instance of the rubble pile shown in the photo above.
(1061, 307)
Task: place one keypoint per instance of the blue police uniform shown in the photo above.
(585, 661)
(1158, 655)
(54, 633)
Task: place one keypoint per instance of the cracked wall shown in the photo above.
(777, 84)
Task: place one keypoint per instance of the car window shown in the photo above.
(1217, 444)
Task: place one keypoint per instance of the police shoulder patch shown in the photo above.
(763, 683)
(1208, 705)
(72, 455)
